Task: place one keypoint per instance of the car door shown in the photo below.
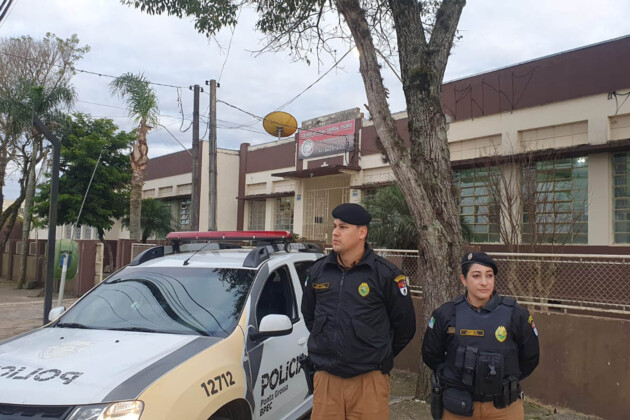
(280, 387)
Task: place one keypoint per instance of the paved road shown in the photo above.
(22, 310)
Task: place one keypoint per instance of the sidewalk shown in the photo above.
(23, 310)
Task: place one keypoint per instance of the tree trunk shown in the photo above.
(4, 152)
(139, 160)
(423, 171)
(28, 205)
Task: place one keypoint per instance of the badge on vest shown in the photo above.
(402, 284)
(364, 289)
(501, 334)
(472, 333)
(320, 286)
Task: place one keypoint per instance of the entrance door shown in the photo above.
(322, 195)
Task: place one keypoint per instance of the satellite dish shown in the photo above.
(280, 124)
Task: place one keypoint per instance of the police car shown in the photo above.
(188, 331)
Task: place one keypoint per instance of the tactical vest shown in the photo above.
(482, 352)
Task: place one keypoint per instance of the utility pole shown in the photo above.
(196, 182)
(52, 215)
(212, 140)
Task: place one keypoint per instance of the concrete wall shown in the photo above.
(584, 363)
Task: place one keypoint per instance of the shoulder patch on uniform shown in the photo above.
(450, 330)
(534, 328)
(364, 289)
(320, 286)
(501, 334)
(530, 319)
(401, 281)
(432, 322)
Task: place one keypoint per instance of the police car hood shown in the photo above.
(63, 366)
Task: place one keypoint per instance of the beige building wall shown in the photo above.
(589, 120)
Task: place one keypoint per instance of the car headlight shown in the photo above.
(124, 410)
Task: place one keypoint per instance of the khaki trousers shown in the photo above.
(487, 411)
(363, 397)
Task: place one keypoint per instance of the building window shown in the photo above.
(184, 215)
(621, 197)
(257, 214)
(555, 202)
(479, 210)
(284, 214)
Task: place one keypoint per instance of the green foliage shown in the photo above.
(392, 225)
(156, 219)
(82, 140)
(140, 99)
(210, 15)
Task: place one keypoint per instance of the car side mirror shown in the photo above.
(273, 325)
(56, 312)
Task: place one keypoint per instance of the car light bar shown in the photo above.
(246, 235)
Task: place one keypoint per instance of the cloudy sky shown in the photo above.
(495, 33)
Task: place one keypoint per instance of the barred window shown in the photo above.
(555, 202)
(184, 215)
(621, 197)
(257, 214)
(479, 210)
(284, 214)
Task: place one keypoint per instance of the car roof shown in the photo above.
(224, 258)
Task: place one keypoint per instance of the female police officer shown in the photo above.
(480, 345)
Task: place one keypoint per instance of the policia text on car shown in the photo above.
(360, 315)
(479, 345)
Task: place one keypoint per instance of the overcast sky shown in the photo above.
(495, 33)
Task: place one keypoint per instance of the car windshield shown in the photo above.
(202, 301)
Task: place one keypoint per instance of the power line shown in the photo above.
(334, 66)
(230, 44)
(84, 71)
(7, 10)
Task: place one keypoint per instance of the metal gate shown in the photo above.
(321, 196)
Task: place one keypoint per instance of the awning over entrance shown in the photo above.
(265, 196)
(317, 172)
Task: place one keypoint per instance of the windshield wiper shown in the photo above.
(71, 325)
(136, 329)
(149, 330)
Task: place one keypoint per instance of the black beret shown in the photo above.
(352, 213)
(479, 258)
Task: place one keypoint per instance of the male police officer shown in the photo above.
(359, 311)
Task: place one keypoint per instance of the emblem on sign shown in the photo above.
(501, 334)
(364, 289)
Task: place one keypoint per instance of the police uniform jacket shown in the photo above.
(500, 326)
(359, 318)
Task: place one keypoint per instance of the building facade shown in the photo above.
(540, 153)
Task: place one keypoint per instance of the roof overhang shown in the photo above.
(545, 154)
(265, 196)
(317, 172)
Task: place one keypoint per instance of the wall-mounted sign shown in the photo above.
(327, 140)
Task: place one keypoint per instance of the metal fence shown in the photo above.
(590, 283)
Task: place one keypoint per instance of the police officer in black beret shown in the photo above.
(359, 312)
(480, 346)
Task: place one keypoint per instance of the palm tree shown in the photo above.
(142, 103)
